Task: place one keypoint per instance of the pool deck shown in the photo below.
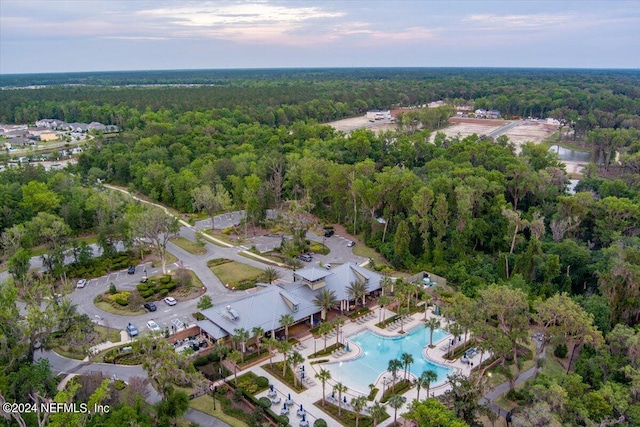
(313, 393)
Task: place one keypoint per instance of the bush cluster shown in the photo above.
(161, 286)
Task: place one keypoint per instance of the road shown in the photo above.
(504, 129)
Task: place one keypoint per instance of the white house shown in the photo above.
(379, 115)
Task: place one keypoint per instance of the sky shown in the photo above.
(73, 35)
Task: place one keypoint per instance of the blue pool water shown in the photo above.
(378, 350)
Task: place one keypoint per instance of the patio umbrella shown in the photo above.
(303, 417)
(301, 408)
(333, 394)
(344, 399)
(289, 396)
(284, 406)
(271, 387)
(348, 349)
(302, 368)
(303, 375)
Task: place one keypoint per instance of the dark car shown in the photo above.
(131, 270)
(328, 233)
(150, 306)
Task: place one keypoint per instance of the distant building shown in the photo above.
(487, 114)
(379, 115)
(435, 104)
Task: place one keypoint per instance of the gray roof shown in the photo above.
(212, 329)
(312, 274)
(263, 308)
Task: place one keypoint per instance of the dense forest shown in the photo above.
(469, 209)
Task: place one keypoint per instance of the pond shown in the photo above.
(571, 155)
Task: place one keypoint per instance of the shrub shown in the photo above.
(262, 382)
(265, 402)
(112, 288)
(201, 361)
(166, 279)
(119, 385)
(561, 351)
(142, 287)
(148, 293)
(320, 423)
(119, 296)
(163, 293)
(283, 420)
(122, 301)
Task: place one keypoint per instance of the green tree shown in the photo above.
(340, 388)
(358, 404)
(325, 300)
(204, 302)
(258, 334)
(407, 359)
(323, 376)
(242, 335)
(19, 265)
(286, 320)
(270, 275)
(393, 367)
(430, 412)
(295, 359)
(432, 324)
(234, 357)
(323, 330)
(396, 401)
(377, 412)
(337, 323)
(356, 290)
(37, 197)
(157, 227)
(424, 381)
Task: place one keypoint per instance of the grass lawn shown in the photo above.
(219, 236)
(204, 404)
(252, 255)
(196, 280)
(105, 306)
(189, 246)
(233, 273)
(108, 334)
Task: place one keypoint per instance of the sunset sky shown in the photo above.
(61, 36)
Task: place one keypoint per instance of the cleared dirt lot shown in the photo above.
(530, 131)
(348, 125)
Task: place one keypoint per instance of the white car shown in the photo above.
(170, 301)
(153, 326)
(81, 283)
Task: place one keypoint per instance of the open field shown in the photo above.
(465, 127)
(530, 131)
(353, 123)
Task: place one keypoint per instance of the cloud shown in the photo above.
(491, 22)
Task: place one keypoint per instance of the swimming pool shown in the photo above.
(378, 350)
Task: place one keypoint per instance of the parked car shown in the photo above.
(170, 301)
(328, 233)
(81, 283)
(327, 266)
(144, 279)
(131, 270)
(153, 326)
(350, 243)
(132, 330)
(150, 306)
(306, 257)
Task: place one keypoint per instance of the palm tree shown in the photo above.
(425, 379)
(407, 359)
(235, 357)
(258, 333)
(325, 300)
(357, 290)
(323, 376)
(295, 359)
(377, 412)
(242, 335)
(426, 298)
(337, 323)
(286, 320)
(396, 401)
(294, 263)
(284, 347)
(270, 275)
(384, 301)
(271, 344)
(386, 284)
(432, 324)
(456, 330)
(402, 311)
(340, 388)
(221, 350)
(323, 330)
(394, 365)
(358, 404)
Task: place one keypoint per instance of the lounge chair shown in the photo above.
(276, 400)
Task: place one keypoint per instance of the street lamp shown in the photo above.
(384, 385)
(214, 390)
(323, 246)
